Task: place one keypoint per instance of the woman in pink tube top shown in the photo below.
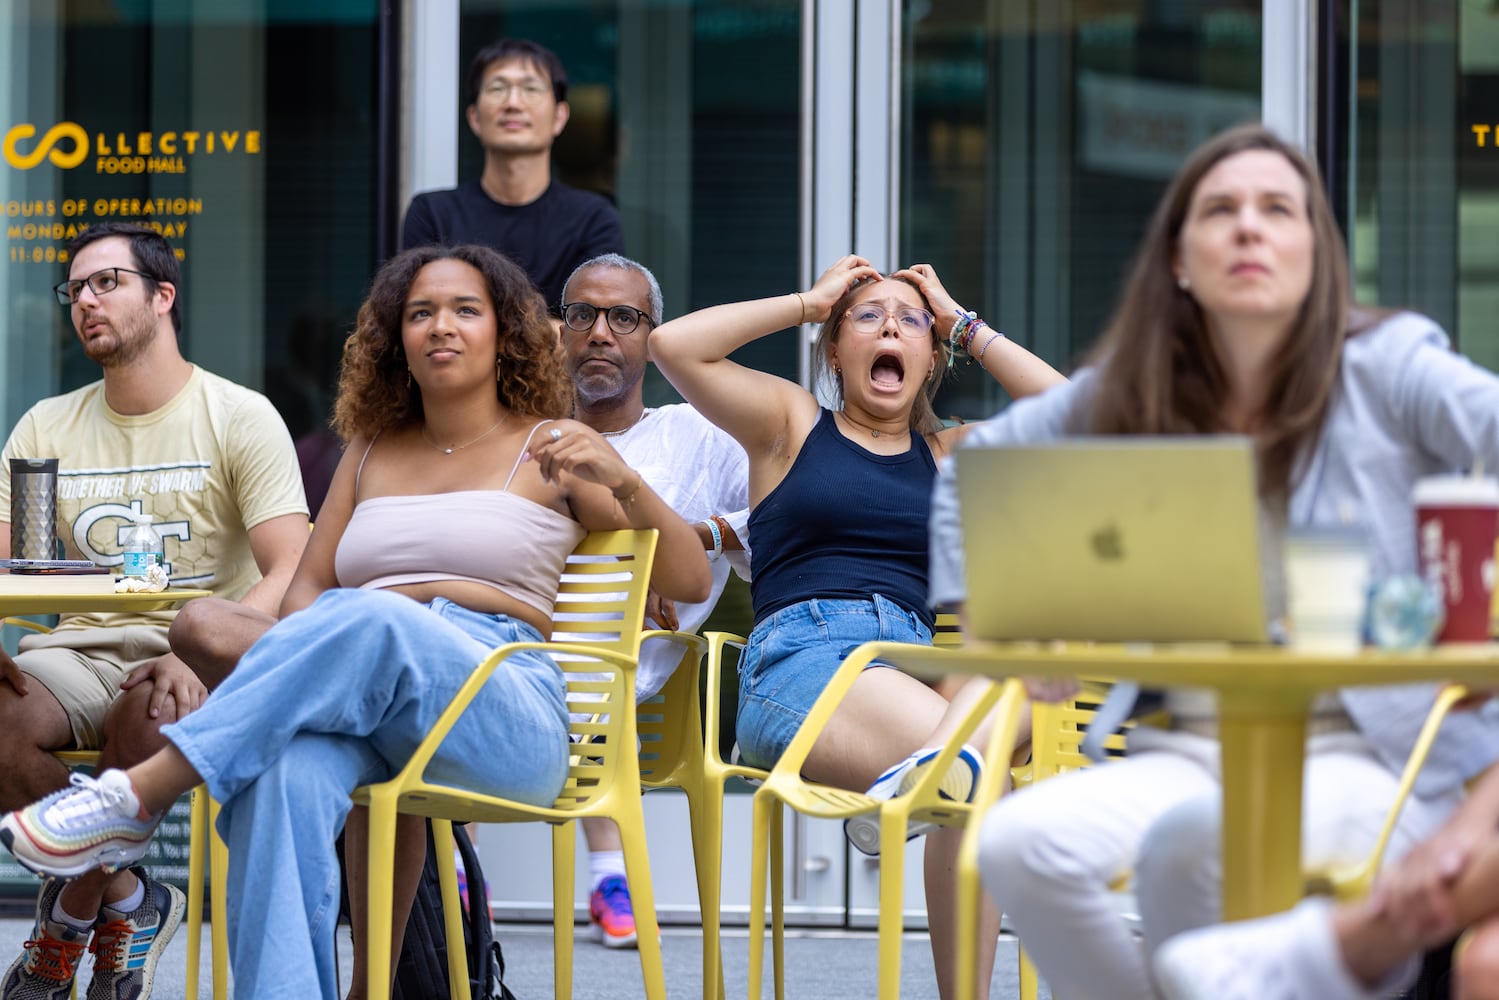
(459, 496)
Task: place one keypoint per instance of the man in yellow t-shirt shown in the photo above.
(213, 464)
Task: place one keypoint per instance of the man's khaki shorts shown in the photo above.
(84, 668)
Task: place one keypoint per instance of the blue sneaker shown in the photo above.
(611, 914)
(49, 963)
(126, 946)
(93, 823)
(958, 784)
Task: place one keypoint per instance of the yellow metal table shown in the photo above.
(1264, 694)
(63, 604)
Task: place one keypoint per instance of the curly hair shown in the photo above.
(375, 390)
(924, 419)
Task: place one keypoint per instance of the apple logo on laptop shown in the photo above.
(1107, 545)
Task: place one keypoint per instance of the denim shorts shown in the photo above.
(793, 654)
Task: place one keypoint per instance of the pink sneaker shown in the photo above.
(611, 916)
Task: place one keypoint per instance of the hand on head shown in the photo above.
(944, 307)
(834, 282)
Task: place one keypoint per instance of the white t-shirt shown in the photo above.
(699, 471)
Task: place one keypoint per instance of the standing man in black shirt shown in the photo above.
(518, 106)
(517, 93)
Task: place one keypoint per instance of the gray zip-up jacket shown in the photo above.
(1404, 406)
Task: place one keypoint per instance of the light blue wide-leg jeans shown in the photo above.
(336, 696)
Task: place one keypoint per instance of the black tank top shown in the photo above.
(845, 523)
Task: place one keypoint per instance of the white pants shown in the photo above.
(1049, 852)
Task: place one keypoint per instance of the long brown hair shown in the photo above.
(924, 419)
(1159, 371)
(375, 390)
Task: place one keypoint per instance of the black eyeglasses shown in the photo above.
(100, 283)
(623, 320)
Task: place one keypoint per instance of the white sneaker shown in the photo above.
(1289, 956)
(93, 823)
(958, 784)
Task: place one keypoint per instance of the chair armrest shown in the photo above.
(690, 639)
(1448, 696)
(27, 624)
(822, 709)
(713, 689)
(603, 661)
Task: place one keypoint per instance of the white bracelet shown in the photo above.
(717, 540)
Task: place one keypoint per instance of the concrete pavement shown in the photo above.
(820, 963)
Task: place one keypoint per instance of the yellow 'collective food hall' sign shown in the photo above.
(37, 229)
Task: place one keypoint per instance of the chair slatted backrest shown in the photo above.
(947, 633)
(601, 602)
(1059, 730)
(670, 722)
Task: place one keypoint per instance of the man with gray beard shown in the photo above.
(610, 304)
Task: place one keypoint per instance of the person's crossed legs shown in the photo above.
(213, 635)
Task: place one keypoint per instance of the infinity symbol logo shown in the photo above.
(47, 148)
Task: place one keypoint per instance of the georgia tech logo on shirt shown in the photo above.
(67, 145)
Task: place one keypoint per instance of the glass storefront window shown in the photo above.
(702, 167)
(1035, 142)
(1422, 119)
(190, 116)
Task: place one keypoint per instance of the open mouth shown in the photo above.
(888, 371)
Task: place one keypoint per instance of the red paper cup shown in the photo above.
(1457, 520)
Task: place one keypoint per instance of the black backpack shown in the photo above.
(422, 969)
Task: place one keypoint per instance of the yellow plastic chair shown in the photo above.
(679, 748)
(602, 602)
(785, 785)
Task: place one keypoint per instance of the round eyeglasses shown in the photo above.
(100, 283)
(527, 92)
(869, 317)
(622, 320)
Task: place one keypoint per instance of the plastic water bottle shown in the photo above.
(143, 547)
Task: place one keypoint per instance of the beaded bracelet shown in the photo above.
(958, 336)
(993, 336)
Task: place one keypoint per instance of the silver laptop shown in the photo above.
(1149, 539)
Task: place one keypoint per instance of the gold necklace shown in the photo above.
(873, 431)
(459, 447)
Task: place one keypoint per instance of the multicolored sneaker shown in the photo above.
(126, 946)
(95, 823)
(46, 968)
(611, 916)
(958, 784)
